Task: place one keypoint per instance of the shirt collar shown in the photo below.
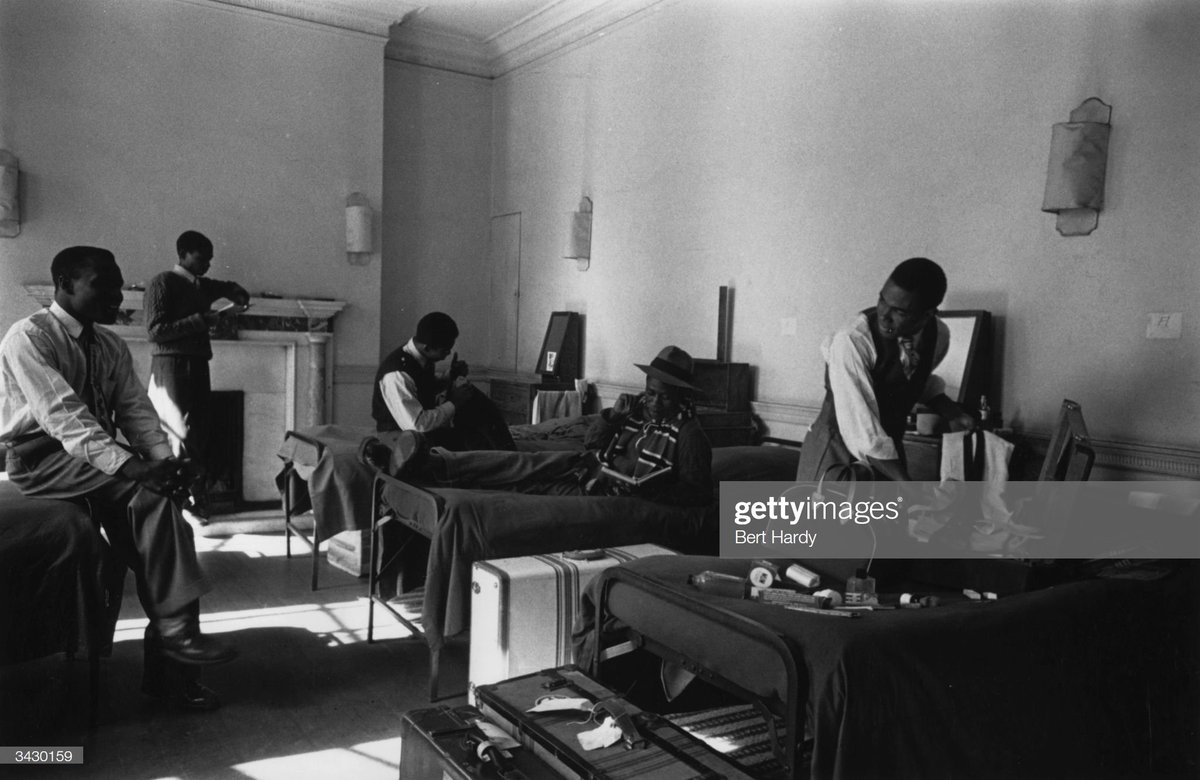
(185, 273)
(411, 349)
(73, 326)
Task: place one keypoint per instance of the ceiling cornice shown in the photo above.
(330, 13)
(551, 29)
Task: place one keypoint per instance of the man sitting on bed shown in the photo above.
(657, 432)
(877, 369)
(449, 410)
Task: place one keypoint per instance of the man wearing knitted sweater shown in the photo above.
(178, 308)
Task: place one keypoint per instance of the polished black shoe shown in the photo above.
(374, 454)
(193, 647)
(197, 511)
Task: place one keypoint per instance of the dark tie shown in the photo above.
(93, 393)
(908, 357)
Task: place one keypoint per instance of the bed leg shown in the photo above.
(287, 511)
(316, 552)
(435, 658)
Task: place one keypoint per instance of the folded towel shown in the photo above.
(550, 404)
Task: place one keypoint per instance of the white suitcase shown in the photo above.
(522, 610)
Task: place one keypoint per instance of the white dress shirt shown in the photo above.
(43, 371)
(849, 357)
(400, 394)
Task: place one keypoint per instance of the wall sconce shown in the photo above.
(360, 229)
(10, 204)
(1078, 161)
(579, 241)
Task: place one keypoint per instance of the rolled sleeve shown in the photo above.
(55, 406)
(400, 395)
(848, 358)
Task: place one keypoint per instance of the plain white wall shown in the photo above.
(437, 172)
(798, 151)
(137, 119)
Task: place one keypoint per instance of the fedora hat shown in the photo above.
(673, 366)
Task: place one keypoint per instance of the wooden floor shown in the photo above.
(308, 698)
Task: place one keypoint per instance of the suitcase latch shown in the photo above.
(615, 708)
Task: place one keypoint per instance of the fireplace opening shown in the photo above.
(225, 447)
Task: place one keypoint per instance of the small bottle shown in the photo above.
(720, 584)
(860, 589)
(985, 414)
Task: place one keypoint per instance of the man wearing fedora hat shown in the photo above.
(658, 429)
(650, 446)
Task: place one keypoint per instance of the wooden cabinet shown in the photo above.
(726, 429)
(515, 397)
(723, 403)
(924, 454)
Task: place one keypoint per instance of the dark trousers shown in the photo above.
(146, 531)
(551, 473)
(478, 425)
(181, 391)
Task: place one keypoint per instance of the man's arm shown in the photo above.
(163, 321)
(217, 288)
(400, 396)
(32, 361)
(848, 367)
(609, 422)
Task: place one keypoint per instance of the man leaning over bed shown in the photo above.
(876, 369)
(448, 410)
(655, 434)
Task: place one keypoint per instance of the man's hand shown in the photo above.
(458, 368)
(166, 477)
(963, 422)
(240, 296)
(460, 393)
(625, 404)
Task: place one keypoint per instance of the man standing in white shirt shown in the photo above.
(877, 369)
(66, 388)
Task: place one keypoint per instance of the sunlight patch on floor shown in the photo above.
(342, 623)
(252, 545)
(363, 760)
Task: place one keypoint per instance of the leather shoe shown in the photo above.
(193, 647)
(397, 453)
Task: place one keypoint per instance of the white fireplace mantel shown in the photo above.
(316, 311)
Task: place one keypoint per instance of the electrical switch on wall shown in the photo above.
(1164, 325)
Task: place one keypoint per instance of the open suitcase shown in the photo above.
(450, 743)
(650, 747)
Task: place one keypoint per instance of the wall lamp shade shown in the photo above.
(360, 229)
(1076, 171)
(579, 240)
(10, 204)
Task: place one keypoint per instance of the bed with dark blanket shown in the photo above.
(464, 526)
(1082, 679)
(330, 480)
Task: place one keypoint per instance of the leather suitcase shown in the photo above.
(446, 742)
(522, 609)
(652, 746)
